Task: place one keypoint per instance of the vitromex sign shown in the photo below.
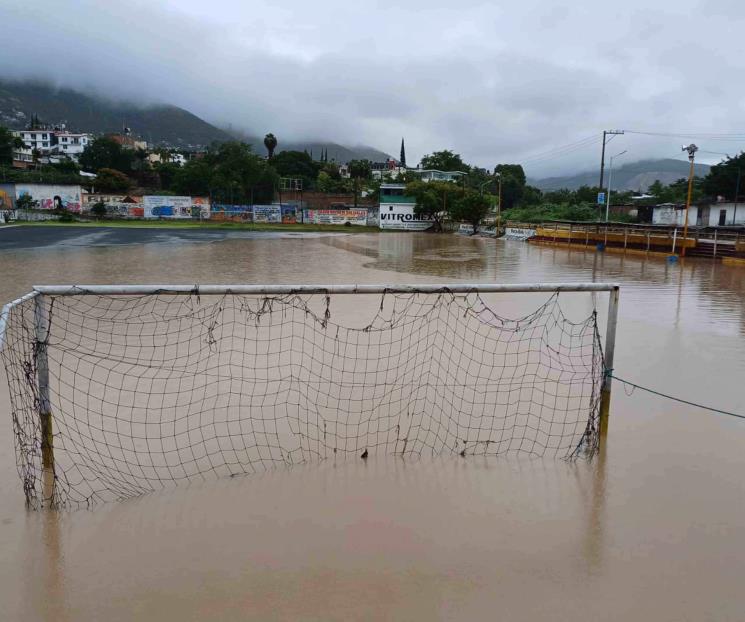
(402, 216)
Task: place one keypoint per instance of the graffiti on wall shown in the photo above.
(236, 213)
(52, 196)
(156, 206)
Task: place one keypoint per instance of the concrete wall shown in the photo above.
(734, 214)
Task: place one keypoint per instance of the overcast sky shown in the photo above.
(510, 83)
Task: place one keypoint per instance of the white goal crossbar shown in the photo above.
(81, 360)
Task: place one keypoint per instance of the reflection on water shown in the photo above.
(653, 530)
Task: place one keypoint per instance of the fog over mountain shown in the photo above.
(494, 82)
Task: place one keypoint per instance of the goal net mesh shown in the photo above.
(149, 391)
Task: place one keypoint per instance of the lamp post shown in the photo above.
(691, 149)
(610, 180)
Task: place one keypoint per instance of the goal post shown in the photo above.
(117, 390)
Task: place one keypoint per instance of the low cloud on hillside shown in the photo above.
(494, 82)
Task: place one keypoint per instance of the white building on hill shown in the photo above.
(54, 142)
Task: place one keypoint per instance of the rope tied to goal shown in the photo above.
(634, 386)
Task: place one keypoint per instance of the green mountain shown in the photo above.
(168, 125)
(635, 176)
(157, 124)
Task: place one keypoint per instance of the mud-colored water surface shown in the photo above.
(654, 529)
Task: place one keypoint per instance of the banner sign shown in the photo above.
(516, 233)
(402, 216)
(267, 213)
(354, 216)
(155, 206)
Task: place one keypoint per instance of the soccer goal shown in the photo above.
(120, 390)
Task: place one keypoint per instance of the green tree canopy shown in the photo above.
(445, 161)
(472, 207)
(513, 183)
(721, 179)
(433, 199)
(111, 180)
(229, 173)
(8, 142)
(105, 152)
(297, 164)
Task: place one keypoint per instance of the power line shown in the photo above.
(731, 136)
(562, 151)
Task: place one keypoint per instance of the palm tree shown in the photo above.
(270, 142)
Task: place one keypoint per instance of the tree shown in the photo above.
(99, 209)
(167, 172)
(444, 161)
(324, 183)
(433, 199)
(358, 170)
(26, 201)
(722, 178)
(193, 179)
(111, 180)
(8, 143)
(68, 167)
(472, 208)
(296, 164)
(531, 196)
(513, 183)
(270, 142)
(105, 152)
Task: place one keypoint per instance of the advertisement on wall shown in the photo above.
(336, 216)
(155, 206)
(289, 214)
(267, 213)
(52, 196)
(402, 216)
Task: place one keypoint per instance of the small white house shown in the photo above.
(42, 140)
(70, 144)
(723, 214)
(434, 175)
(672, 214)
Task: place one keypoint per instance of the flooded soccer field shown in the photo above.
(654, 528)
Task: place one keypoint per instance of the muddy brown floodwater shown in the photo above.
(652, 530)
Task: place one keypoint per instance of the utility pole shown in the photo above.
(606, 133)
(691, 149)
(737, 194)
(610, 180)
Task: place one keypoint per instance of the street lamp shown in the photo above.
(691, 149)
(610, 179)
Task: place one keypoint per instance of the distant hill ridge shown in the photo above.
(635, 176)
(166, 125)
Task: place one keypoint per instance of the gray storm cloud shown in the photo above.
(493, 83)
